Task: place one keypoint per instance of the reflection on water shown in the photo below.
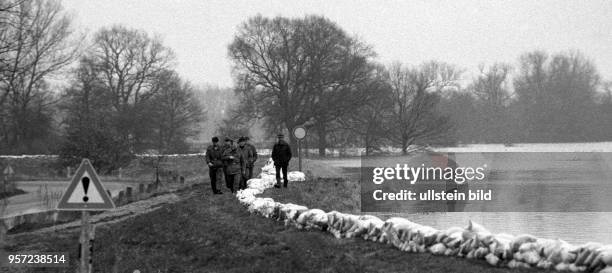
(574, 227)
(30, 202)
(551, 195)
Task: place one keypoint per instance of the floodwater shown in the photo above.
(574, 227)
(44, 195)
(550, 191)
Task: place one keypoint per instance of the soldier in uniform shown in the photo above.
(226, 145)
(235, 165)
(248, 144)
(281, 154)
(214, 155)
(249, 157)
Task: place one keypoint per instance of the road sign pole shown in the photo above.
(84, 240)
(299, 133)
(300, 154)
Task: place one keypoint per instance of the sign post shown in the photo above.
(299, 133)
(85, 193)
(8, 172)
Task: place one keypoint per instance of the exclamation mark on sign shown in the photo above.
(85, 181)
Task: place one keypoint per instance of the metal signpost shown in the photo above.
(8, 172)
(299, 133)
(85, 193)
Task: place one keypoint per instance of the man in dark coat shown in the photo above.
(235, 165)
(247, 153)
(281, 154)
(254, 152)
(226, 145)
(214, 155)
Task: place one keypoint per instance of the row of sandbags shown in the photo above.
(472, 242)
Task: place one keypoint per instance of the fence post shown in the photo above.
(128, 194)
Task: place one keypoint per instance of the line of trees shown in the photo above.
(309, 72)
(123, 95)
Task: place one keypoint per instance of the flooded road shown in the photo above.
(44, 195)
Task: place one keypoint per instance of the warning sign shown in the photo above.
(8, 171)
(85, 191)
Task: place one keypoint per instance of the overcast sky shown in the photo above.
(465, 33)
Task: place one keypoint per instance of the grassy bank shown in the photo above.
(214, 233)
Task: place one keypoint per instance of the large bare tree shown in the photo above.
(492, 91)
(176, 113)
(36, 41)
(415, 95)
(129, 63)
(300, 70)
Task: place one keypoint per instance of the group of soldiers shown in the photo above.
(236, 161)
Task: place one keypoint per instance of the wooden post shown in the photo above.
(84, 264)
(92, 236)
(129, 194)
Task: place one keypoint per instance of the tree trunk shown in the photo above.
(367, 145)
(291, 139)
(404, 146)
(321, 132)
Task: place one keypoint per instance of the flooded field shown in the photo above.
(538, 190)
(44, 195)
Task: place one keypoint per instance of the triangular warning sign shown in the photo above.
(85, 191)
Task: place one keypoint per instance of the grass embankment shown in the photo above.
(214, 233)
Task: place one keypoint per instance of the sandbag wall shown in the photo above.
(472, 242)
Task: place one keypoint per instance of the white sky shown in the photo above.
(464, 33)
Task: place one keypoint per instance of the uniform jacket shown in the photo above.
(234, 161)
(214, 155)
(281, 153)
(254, 153)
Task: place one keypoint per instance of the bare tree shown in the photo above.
(36, 41)
(491, 86)
(129, 63)
(492, 91)
(177, 113)
(300, 69)
(556, 96)
(415, 94)
(368, 122)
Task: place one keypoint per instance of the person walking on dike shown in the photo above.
(249, 157)
(281, 154)
(235, 163)
(226, 145)
(250, 145)
(214, 155)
